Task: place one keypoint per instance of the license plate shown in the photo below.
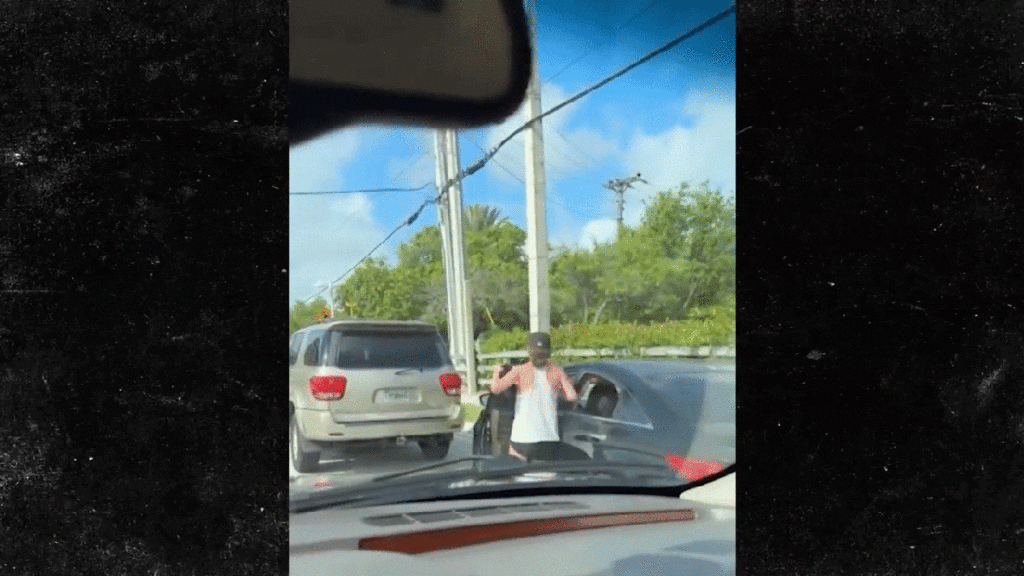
(396, 396)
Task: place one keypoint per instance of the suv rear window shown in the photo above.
(370, 349)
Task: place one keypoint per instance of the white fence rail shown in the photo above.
(484, 367)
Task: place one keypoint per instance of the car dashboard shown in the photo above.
(588, 535)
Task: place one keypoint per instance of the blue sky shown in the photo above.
(672, 120)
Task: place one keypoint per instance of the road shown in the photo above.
(358, 465)
(362, 464)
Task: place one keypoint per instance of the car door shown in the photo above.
(618, 432)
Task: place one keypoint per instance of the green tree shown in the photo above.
(680, 257)
(303, 314)
(479, 217)
(575, 294)
(376, 290)
(414, 288)
(697, 230)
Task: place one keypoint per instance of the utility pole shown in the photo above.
(463, 302)
(441, 173)
(619, 187)
(536, 218)
(449, 211)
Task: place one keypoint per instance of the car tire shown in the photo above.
(435, 448)
(303, 459)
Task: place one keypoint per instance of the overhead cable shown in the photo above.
(472, 168)
(479, 163)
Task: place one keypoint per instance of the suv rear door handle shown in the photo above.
(593, 438)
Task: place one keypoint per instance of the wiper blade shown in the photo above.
(444, 464)
(499, 474)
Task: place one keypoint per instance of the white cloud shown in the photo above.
(704, 150)
(597, 232)
(327, 234)
(565, 151)
(316, 165)
(412, 171)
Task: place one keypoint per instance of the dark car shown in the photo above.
(678, 412)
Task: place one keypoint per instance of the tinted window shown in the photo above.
(293, 348)
(314, 349)
(628, 410)
(386, 350)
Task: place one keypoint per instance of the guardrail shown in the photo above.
(504, 357)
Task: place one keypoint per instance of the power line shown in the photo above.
(406, 169)
(693, 32)
(571, 143)
(366, 191)
(480, 162)
(592, 50)
(373, 190)
(500, 165)
(407, 222)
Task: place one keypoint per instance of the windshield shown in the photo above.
(609, 225)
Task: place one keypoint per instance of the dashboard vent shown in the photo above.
(469, 512)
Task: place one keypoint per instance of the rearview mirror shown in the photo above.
(445, 63)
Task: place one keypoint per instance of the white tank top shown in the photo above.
(536, 418)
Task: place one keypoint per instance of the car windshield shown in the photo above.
(609, 225)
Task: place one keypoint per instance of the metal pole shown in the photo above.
(463, 295)
(536, 220)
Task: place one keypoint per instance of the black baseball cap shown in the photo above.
(539, 340)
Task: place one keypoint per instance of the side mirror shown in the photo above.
(484, 398)
(448, 63)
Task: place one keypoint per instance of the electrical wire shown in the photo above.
(373, 190)
(366, 191)
(500, 165)
(480, 162)
(407, 222)
(571, 143)
(592, 50)
(666, 47)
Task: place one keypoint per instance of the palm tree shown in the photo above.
(480, 217)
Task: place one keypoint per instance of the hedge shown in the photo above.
(715, 326)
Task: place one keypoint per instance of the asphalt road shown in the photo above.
(361, 464)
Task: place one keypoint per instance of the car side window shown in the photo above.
(629, 410)
(598, 397)
(604, 399)
(314, 350)
(293, 348)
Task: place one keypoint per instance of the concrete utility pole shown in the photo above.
(449, 214)
(536, 218)
(441, 173)
(463, 302)
(619, 187)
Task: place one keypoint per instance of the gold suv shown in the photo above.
(370, 380)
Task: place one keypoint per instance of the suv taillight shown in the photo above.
(692, 469)
(327, 387)
(451, 383)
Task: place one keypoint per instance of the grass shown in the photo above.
(470, 412)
